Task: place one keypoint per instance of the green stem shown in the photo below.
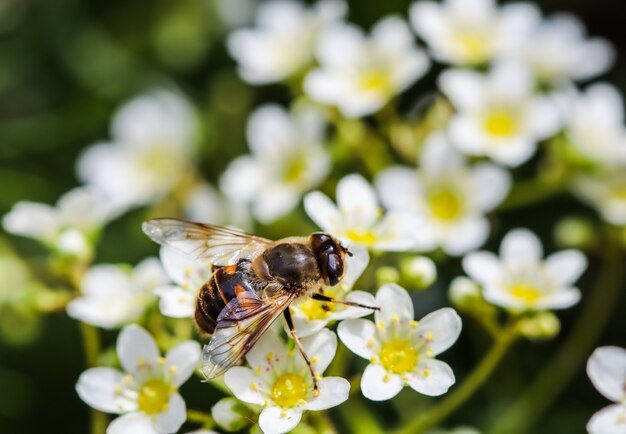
(359, 418)
(200, 417)
(472, 383)
(98, 421)
(567, 363)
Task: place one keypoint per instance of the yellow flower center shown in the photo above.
(473, 45)
(294, 169)
(376, 80)
(398, 356)
(501, 123)
(154, 396)
(362, 236)
(288, 390)
(528, 293)
(445, 204)
(314, 309)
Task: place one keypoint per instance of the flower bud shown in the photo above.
(230, 414)
(418, 271)
(464, 293)
(540, 326)
(387, 274)
(574, 232)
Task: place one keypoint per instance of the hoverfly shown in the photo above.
(254, 281)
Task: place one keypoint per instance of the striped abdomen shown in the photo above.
(215, 294)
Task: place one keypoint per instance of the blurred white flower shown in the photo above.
(607, 370)
(287, 159)
(498, 115)
(557, 50)
(113, 295)
(358, 219)
(69, 227)
(401, 350)
(147, 392)
(595, 123)
(360, 74)
(450, 197)
(282, 43)
(472, 31)
(310, 316)
(179, 300)
(279, 380)
(152, 140)
(521, 280)
(606, 192)
(204, 203)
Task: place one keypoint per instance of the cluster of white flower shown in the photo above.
(607, 370)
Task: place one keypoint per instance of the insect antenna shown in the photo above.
(322, 297)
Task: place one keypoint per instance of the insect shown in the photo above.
(254, 281)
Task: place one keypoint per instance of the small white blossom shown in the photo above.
(401, 350)
(595, 124)
(310, 316)
(521, 280)
(113, 295)
(607, 370)
(69, 227)
(360, 74)
(146, 393)
(450, 197)
(152, 140)
(204, 203)
(179, 300)
(287, 159)
(498, 115)
(472, 31)
(282, 43)
(279, 380)
(558, 50)
(606, 192)
(358, 219)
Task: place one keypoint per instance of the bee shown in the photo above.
(254, 281)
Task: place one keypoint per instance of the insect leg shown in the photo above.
(292, 332)
(322, 297)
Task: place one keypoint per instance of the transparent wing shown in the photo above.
(220, 245)
(239, 326)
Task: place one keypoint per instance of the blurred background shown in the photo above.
(66, 65)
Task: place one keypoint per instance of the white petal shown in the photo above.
(174, 416)
(561, 300)
(321, 348)
(469, 234)
(97, 387)
(379, 385)
(357, 201)
(361, 297)
(333, 391)
(398, 187)
(184, 358)
(566, 267)
(355, 266)
(442, 327)
(240, 380)
(176, 302)
(393, 301)
(32, 219)
(433, 378)
(175, 263)
(483, 267)
(355, 334)
(135, 347)
(132, 423)
(322, 211)
(276, 420)
(268, 344)
(491, 185)
(607, 370)
(609, 420)
(438, 155)
(465, 89)
(521, 246)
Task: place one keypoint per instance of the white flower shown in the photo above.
(188, 275)
(280, 381)
(521, 280)
(147, 392)
(607, 370)
(70, 226)
(152, 141)
(282, 44)
(558, 50)
(595, 123)
(287, 159)
(112, 295)
(310, 316)
(606, 192)
(204, 203)
(472, 31)
(358, 219)
(359, 74)
(498, 115)
(449, 196)
(401, 350)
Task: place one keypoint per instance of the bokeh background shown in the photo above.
(65, 65)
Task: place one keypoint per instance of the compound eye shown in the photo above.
(334, 269)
